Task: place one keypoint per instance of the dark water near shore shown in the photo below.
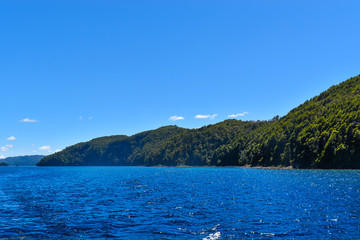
(178, 203)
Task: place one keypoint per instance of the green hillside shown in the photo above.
(112, 150)
(323, 132)
(203, 146)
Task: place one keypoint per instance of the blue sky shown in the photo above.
(74, 70)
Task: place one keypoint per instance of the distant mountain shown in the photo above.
(323, 132)
(30, 160)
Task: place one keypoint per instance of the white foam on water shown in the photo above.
(215, 227)
(213, 236)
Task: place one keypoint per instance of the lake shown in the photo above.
(178, 203)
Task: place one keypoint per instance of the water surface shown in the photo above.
(178, 203)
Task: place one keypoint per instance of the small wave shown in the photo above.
(213, 236)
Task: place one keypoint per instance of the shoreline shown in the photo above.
(274, 168)
(186, 166)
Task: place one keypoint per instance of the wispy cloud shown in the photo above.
(5, 148)
(45, 148)
(28, 120)
(12, 138)
(175, 118)
(84, 118)
(57, 150)
(2, 157)
(199, 116)
(237, 115)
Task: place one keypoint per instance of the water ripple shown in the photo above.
(177, 203)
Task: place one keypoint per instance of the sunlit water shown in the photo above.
(178, 203)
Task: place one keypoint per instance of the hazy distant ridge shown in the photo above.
(28, 160)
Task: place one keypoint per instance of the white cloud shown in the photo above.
(2, 157)
(175, 118)
(45, 148)
(57, 150)
(238, 115)
(12, 138)
(206, 116)
(84, 118)
(5, 148)
(28, 120)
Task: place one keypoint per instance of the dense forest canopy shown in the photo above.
(112, 150)
(323, 132)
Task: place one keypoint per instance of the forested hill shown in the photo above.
(112, 150)
(203, 146)
(323, 132)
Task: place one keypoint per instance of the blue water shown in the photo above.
(178, 203)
